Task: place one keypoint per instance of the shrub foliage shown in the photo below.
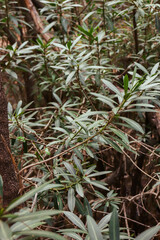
(82, 83)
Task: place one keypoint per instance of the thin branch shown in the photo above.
(153, 178)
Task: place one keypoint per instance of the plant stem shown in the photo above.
(135, 32)
(7, 13)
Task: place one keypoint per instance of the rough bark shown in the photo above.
(7, 169)
(37, 21)
(38, 4)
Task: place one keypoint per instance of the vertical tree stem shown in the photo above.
(135, 32)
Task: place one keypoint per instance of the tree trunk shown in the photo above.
(7, 169)
(36, 19)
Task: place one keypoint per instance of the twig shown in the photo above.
(153, 178)
(85, 7)
(71, 148)
(34, 202)
(126, 220)
(129, 219)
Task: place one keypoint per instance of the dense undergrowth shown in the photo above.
(84, 118)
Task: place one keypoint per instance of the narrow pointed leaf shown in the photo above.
(71, 199)
(27, 196)
(5, 232)
(76, 41)
(87, 16)
(1, 187)
(93, 229)
(78, 164)
(125, 83)
(114, 226)
(36, 215)
(155, 68)
(79, 189)
(133, 124)
(48, 27)
(70, 168)
(111, 86)
(41, 233)
(88, 209)
(73, 236)
(75, 220)
(70, 77)
(148, 234)
(104, 221)
(142, 68)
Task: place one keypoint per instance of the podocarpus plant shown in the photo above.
(71, 175)
(92, 104)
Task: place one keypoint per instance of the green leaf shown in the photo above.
(133, 124)
(1, 188)
(89, 170)
(11, 73)
(73, 236)
(78, 164)
(29, 224)
(36, 215)
(80, 207)
(142, 68)
(71, 199)
(59, 201)
(84, 31)
(41, 233)
(52, 186)
(113, 144)
(75, 220)
(59, 45)
(47, 151)
(70, 168)
(134, 75)
(10, 109)
(154, 69)
(89, 152)
(79, 189)
(104, 221)
(120, 134)
(93, 229)
(70, 77)
(76, 230)
(98, 184)
(88, 209)
(48, 27)
(114, 226)
(98, 173)
(125, 83)
(76, 41)
(148, 234)
(157, 22)
(95, 67)
(61, 130)
(5, 232)
(64, 23)
(112, 87)
(87, 16)
(79, 154)
(100, 36)
(104, 99)
(26, 196)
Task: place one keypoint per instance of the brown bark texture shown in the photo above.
(37, 20)
(7, 169)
